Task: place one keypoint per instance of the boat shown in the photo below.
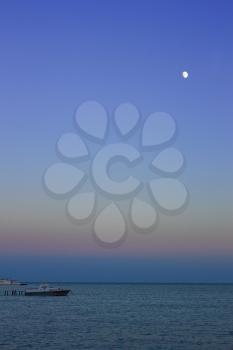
(46, 290)
(8, 282)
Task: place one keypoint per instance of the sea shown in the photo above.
(120, 316)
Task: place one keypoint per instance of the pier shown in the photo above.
(12, 292)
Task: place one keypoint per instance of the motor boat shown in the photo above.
(46, 290)
(7, 282)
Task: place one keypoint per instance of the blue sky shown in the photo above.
(55, 55)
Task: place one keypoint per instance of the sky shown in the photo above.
(56, 55)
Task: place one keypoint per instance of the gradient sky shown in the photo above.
(55, 55)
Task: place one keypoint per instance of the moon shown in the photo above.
(185, 74)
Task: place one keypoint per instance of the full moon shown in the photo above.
(185, 75)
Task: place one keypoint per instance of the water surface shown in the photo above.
(120, 316)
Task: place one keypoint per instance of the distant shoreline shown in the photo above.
(127, 283)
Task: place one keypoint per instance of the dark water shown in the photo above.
(100, 316)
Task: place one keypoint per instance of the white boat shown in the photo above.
(46, 290)
(7, 282)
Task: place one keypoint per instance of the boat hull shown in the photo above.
(48, 293)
